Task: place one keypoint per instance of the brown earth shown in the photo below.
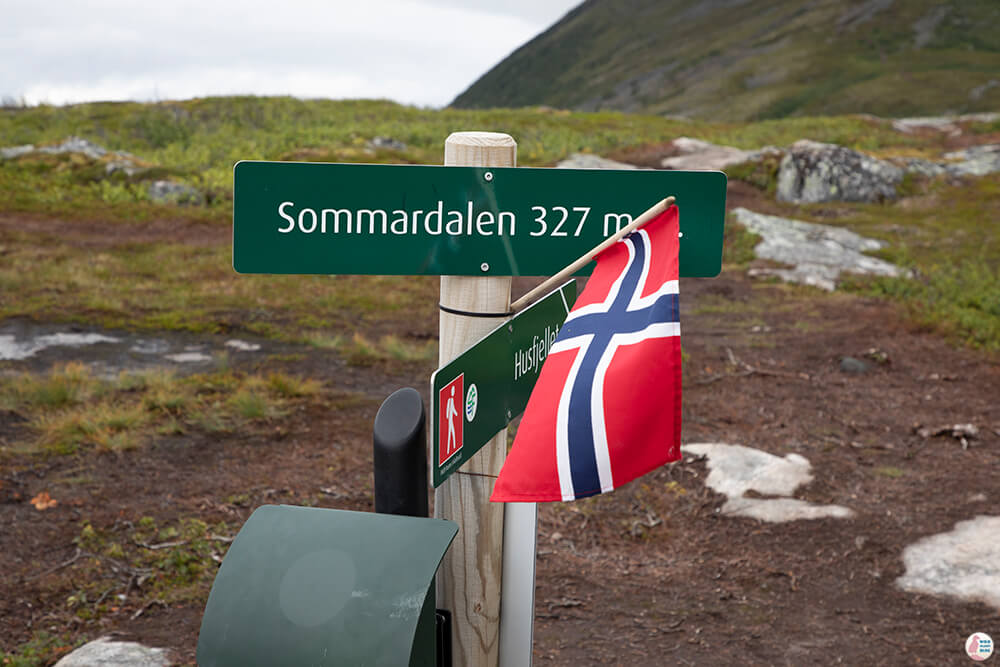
(651, 574)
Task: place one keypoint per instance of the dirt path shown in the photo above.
(652, 574)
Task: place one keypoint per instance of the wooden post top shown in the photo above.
(480, 149)
(481, 138)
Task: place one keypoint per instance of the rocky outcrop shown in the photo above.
(696, 154)
(386, 143)
(817, 253)
(590, 161)
(975, 161)
(946, 124)
(814, 172)
(172, 192)
(11, 152)
(114, 160)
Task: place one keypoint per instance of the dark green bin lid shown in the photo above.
(310, 586)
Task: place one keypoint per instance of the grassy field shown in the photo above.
(79, 244)
(944, 230)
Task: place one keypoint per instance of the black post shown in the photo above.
(400, 443)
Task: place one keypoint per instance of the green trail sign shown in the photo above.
(483, 389)
(299, 217)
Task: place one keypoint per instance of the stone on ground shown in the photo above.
(590, 161)
(947, 124)
(818, 253)
(104, 652)
(173, 192)
(963, 563)
(814, 172)
(735, 470)
(974, 161)
(697, 154)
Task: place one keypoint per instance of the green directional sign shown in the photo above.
(296, 217)
(483, 389)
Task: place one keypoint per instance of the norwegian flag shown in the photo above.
(607, 405)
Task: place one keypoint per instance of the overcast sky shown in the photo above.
(422, 52)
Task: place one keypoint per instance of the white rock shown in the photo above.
(242, 345)
(590, 161)
(964, 563)
(941, 123)
(188, 357)
(76, 145)
(735, 470)
(778, 510)
(702, 155)
(818, 253)
(172, 192)
(975, 161)
(12, 152)
(12, 349)
(104, 652)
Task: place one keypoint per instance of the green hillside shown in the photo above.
(739, 60)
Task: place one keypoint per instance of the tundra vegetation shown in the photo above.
(137, 276)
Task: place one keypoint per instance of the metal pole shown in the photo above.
(400, 444)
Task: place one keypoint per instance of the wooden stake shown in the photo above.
(468, 583)
(547, 286)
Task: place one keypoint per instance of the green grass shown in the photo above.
(128, 411)
(48, 274)
(951, 239)
(42, 649)
(177, 561)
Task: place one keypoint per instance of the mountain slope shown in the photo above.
(752, 59)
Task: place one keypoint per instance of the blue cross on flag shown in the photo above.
(607, 405)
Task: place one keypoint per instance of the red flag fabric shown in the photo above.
(607, 404)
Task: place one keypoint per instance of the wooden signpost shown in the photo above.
(470, 575)
(475, 222)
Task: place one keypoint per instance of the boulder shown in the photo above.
(814, 172)
(104, 652)
(818, 253)
(922, 167)
(696, 154)
(590, 161)
(115, 160)
(975, 161)
(123, 164)
(386, 143)
(12, 152)
(171, 192)
(76, 145)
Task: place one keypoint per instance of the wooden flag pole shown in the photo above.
(547, 286)
(468, 582)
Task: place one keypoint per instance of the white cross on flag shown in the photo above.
(607, 404)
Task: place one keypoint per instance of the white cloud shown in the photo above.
(415, 52)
